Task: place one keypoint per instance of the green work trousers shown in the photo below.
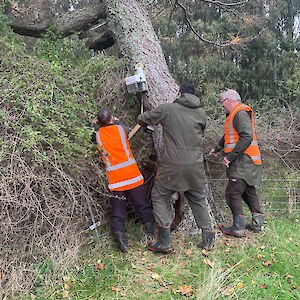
(162, 208)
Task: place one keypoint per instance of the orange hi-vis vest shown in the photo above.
(121, 168)
(231, 135)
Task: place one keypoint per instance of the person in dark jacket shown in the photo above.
(180, 167)
(243, 164)
(124, 177)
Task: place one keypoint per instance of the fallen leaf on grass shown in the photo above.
(240, 285)
(228, 291)
(208, 262)
(287, 275)
(235, 41)
(266, 263)
(263, 286)
(150, 267)
(65, 294)
(188, 252)
(186, 290)
(293, 287)
(66, 278)
(227, 242)
(99, 265)
(155, 276)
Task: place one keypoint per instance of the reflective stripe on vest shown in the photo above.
(121, 168)
(129, 161)
(253, 143)
(232, 136)
(125, 182)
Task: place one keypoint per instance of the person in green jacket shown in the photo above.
(243, 164)
(180, 167)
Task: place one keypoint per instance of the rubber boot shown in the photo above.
(121, 239)
(238, 227)
(163, 242)
(257, 222)
(150, 227)
(208, 239)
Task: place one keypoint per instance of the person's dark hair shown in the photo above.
(104, 116)
(187, 88)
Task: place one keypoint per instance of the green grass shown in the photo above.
(259, 266)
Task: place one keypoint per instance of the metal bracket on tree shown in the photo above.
(137, 84)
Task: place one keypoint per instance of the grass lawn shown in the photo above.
(259, 266)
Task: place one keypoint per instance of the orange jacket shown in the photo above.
(231, 135)
(121, 168)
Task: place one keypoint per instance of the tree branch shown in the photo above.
(223, 4)
(234, 41)
(191, 27)
(24, 23)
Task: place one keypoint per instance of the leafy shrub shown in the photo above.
(49, 176)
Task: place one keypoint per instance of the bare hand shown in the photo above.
(226, 162)
(213, 152)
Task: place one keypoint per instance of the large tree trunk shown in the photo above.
(134, 34)
(136, 40)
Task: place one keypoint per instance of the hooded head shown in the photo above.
(187, 88)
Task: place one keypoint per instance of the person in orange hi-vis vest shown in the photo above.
(123, 175)
(243, 164)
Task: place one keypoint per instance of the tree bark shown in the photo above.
(136, 39)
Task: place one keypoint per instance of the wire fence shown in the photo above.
(275, 194)
(278, 190)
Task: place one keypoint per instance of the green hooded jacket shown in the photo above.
(181, 163)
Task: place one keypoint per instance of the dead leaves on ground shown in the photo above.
(186, 290)
(208, 262)
(99, 265)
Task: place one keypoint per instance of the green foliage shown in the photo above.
(53, 97)
(60, 50)
(7, 38)
(2, 5)
(257, 52)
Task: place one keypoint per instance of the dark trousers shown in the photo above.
(118, 207)
(238, 191)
